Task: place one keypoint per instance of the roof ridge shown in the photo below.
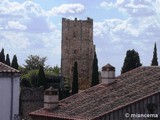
(130, 71)
(7, 68)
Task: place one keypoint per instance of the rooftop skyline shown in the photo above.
(34, 27)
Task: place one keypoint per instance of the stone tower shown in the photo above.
(77, 46)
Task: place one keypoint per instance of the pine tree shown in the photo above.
(14, 62)
(41, 77)
(7, 60)
(95, 73)
(131, 61)
(2, 56)
(155, 59)
(75, 79)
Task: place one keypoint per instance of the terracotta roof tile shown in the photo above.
(7, 69)
(101, 99)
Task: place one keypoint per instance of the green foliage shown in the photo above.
(54, 70)
(2, 56)
(34, 62)
(41, 77)
(131, 61)
(155, 59)
(25, 83)
(67, 84)
(64, 88)
(95, 73)
(7, 62)
(75, 79)
(14, 62)
(32, 77)
(22, 70)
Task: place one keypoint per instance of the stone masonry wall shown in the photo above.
(31, 99)
(77, 46)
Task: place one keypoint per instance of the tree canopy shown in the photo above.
(14, 62)
(155, 59)
(34, 62)
(7, 62)
(55, 69)
(131, 61)
(2, 56)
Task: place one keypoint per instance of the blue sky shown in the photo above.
(34, 27)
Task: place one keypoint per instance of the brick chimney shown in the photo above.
(50, 99)
(108, 74)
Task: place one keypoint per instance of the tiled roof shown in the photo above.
(102, 99)
(7, 69)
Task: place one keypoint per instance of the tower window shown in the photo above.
(74, 34)
(75, 52)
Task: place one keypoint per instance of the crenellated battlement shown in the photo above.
(68, 23)
(76, 20)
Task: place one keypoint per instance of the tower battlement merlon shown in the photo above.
(88, 20)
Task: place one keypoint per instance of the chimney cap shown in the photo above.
(51, 91)
(108, 67)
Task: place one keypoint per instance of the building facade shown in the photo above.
(9, 92)
(77, 46)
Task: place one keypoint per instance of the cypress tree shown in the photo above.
(7, 60)
(95, 73)
(2, 56)
(60, 95)
(155, 59)
(14, 62)
(41, 77)
(131, 61)
(75, 79)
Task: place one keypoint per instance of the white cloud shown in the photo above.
(142, 25)
(67, 9)
(140, 8)
(106, 4)
(11, 8)
(32, 8)
(16, 25)
(28, 16)
(14, 40)
(132, 31)
(26, 29)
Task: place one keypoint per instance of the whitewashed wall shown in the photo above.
(5, 97)
(16, 94)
